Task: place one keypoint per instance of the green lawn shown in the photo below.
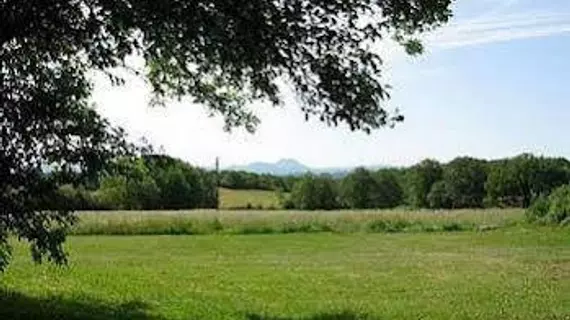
(511, 273)
(250, 199)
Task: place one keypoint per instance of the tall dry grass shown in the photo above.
(266, 222)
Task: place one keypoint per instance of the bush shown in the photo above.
(559, 208)
(552, 210)
(538, 210)
(72, 198)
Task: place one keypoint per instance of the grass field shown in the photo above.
(267, 222)
(515, 271)
(241, 199)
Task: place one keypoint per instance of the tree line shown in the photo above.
(161, 182)
(464, 182)
(243, 180)
(144, 183)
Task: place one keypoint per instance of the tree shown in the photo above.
(465, 182)
(362, 189)
(439, 197)
(359, 190)
(519, 180)
(113, 192)
(419, 181)
(314, 193)
(181, 186)
(554, 209)
(390, 191)
(222, 54)
(504, 187)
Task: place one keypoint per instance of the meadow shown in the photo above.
(201, 222)
(509, 271)
(248, 199)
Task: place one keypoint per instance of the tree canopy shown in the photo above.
(221, 53)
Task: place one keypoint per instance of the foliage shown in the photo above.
(439, 196)
(538, 210)
(362, 189)
(517, 181)
(242, 180)
(465, 182)
(315, 192)
(157, 182)
(161, 182)
(359, 190)
(419, 180)
(552, 210)
(390, 190)
(46, 141)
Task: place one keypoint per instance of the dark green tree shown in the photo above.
(517, 181)
(465, 182)
(504, 186)
(363, 189)
(180, 185)
(439, 196)
(359, 190)
(223, 54)
(419, 181)
(314, 193)
(390, 190)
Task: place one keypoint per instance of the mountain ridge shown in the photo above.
(288, 167)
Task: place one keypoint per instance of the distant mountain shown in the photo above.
(284, 167)
(288, 167)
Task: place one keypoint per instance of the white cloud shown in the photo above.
(492, 28)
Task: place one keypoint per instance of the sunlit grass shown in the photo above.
(513, 273)
(263, 222)
(248, 199)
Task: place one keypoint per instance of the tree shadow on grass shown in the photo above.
(346, 315)
(16, 306)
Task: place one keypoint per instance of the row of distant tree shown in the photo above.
(462, 183)
(147, 183)
(242, 180)
(160, 182)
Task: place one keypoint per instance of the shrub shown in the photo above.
(452, 227)
(538, 210)
(559, 208)
(552, 210)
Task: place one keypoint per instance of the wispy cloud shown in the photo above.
(494, 27)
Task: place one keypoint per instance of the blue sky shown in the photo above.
(493, 83)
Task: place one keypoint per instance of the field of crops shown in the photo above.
(508, 270)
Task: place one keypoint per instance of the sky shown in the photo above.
(493, 83)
